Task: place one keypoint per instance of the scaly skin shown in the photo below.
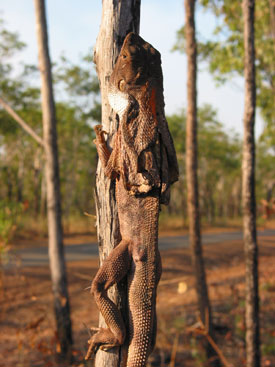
(144, 164)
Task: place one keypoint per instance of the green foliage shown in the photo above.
(269, 349)
(179, 323)
(224, 52)
(219, 166)
(197, 352)
(77, 156)
(265, 163)
(21, 159)
(78, 108)
(81, 86)
(219, 155)
(14, 87)
(10, 42)
(9, 215)
(78, 80)
(9, 46)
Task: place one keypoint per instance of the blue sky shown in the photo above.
(73, 27)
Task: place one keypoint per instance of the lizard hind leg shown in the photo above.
(114, 268)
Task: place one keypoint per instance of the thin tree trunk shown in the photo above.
(56, 251)
(36, 180)
(118, 19)
(191, 171)
(43, 197)
(248, 193)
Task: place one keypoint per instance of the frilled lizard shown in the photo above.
(144, 164)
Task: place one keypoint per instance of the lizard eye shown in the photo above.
(121, 85)
(123, 56)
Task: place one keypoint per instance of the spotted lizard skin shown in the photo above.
(144, 164)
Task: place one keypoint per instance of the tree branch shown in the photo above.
(22, 123)
(200, 329)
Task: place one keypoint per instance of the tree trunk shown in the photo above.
(248, 193)
(56, 251)
(43, 197)
(191, 172)
(118, 19)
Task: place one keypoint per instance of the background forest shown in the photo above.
(78, 109)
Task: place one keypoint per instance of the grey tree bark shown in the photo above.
(248, 193)
(56, 251)
(118, 19)
(191, 173)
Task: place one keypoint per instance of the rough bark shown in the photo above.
(248, 193)
(191, 171)
(119, 17)
(56, 252)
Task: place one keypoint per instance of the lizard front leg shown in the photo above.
(107, 159)
(112, 271)
(102, 149)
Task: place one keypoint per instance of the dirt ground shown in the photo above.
(27, 331)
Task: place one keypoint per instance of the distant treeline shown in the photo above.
(78, 109)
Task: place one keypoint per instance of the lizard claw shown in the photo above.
(101, 339)
(99, 134)
(93, 348)
(98, 130)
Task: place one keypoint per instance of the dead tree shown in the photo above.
(248, 193)
(56, 251)
(118, 19)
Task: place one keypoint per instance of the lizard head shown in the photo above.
(136, 94)
(137, 64)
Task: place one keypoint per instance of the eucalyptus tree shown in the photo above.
(252, 321)
(55, 233)
(192, 176)
(224, 51)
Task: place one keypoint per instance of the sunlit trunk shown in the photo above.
(191, 171)
(118, 19)
(56, 251)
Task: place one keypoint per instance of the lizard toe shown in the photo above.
(103, 339)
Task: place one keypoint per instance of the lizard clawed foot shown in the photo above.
(102, 339)
(99, 134)
(92, 348)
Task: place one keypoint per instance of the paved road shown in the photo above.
(39, 255)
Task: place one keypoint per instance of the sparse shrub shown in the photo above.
(9, 216)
